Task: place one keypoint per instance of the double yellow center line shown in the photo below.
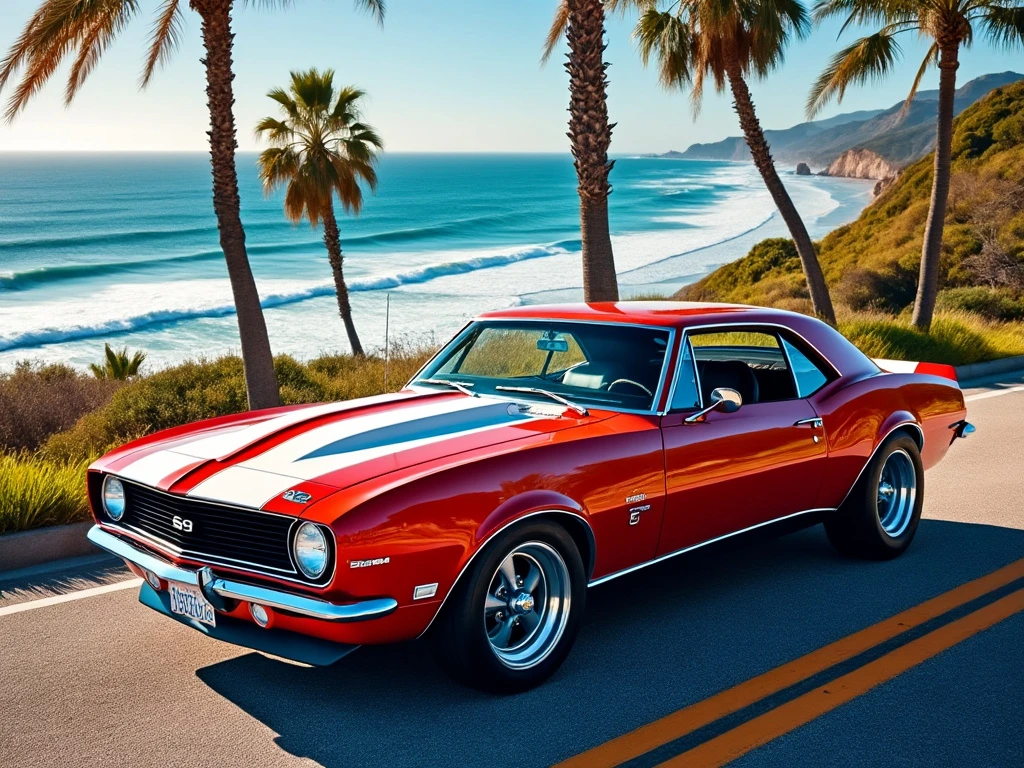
(796, 712)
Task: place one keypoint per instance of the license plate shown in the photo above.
(187, 600)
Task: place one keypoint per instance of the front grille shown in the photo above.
(219, 534)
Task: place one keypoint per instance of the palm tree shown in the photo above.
(730, 41)
(320, 148)
(949, 25)
(80, 31)
(590, 135)
(118, 364)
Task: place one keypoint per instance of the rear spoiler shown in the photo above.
(907, 366)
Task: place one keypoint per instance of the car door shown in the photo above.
(733, 471)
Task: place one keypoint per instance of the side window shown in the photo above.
(809, 377)
(749, 361)
(685, 395)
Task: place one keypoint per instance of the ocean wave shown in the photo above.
(422, 274)
(14, 281)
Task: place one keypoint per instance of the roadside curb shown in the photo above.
(43, 545)
(966, 374)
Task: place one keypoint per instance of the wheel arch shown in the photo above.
(904, 423)
(574, 523)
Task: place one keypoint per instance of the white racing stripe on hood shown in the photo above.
(295, 460)
(154, 467)
(221, 446)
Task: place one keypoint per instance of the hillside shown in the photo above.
(872, 263)
(882, 132)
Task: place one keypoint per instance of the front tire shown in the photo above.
(880, 517)
(512, 619)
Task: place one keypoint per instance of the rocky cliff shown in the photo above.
(861, 164)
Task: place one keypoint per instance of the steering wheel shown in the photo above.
(636, 384)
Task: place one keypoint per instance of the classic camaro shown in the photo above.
(541, 451)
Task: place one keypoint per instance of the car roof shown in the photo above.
(660, 313)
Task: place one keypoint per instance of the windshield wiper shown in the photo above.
(463, 388)
(563, 400)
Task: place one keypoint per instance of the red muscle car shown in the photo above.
(541, 451)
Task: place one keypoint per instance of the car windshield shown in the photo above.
(590, 364)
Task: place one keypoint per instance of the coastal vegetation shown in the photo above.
(871, 265)
(54, 420)
(590, 136)
(728, 43)
(79, 31)
(118, 364)
(949, 26)
(320, 148)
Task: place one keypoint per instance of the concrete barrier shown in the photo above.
(42, 545)
(967, 373)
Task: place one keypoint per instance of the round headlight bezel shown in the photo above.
(308, 529)
(109, 507)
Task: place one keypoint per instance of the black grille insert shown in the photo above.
(244, 538)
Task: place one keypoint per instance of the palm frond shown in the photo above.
(100, 32)
(666, 36)
(930, 59)
(1004, 26)
(57, 29)
(870, 58)
(558, 26)
(164, 39)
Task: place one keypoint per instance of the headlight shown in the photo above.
(113, 498)
(310, 548)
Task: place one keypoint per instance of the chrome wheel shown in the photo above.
(527, 605)
(897, 492)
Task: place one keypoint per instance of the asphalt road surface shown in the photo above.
(769, 652)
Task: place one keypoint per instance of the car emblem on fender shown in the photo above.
(299, 497)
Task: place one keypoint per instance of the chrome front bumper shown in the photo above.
(235, 590)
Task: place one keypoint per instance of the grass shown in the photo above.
(35, 493)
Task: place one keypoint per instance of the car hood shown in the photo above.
(270, 461)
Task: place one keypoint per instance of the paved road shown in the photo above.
(101, 680)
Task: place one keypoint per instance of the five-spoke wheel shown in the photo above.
(879, 518)
(512, 618)
(527, 604)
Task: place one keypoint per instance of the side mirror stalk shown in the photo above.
(722, 399)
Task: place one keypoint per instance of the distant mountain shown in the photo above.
(894, 139)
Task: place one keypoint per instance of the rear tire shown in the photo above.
(879, 518)
(513, 617)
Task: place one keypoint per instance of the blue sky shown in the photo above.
(443, 76)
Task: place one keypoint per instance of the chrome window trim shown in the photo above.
(871, 456)
(706, 326)
(675, 377)
(653, 411)
(485, 542)
(692, 547)
(169, 548)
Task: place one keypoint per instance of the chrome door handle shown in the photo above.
(815, 422)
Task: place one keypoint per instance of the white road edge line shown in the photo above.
(994, 393)
(7, 610)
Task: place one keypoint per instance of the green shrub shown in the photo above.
(34, 493)
(955, 338)
(204, 389)
(988, 302)
(37, 401)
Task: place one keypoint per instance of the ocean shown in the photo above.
(123, 248)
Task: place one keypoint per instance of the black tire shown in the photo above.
(460, 635)
(878, 521)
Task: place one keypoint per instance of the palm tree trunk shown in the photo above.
(258, 362)
(762, 156)
(332, 239)
(931, 249)
(590, 135)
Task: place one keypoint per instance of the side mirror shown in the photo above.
(722, 399)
